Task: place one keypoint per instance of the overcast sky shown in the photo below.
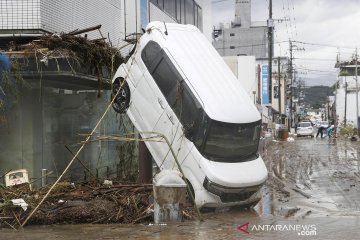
(333, 24)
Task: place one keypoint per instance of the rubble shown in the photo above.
(90, 202)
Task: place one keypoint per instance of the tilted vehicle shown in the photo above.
(177, 84)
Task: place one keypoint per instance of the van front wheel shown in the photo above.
(122, 99)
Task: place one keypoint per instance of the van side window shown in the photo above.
(150, 53)
(188, 110)
(161, 69)
(166, 79)
(172, 86)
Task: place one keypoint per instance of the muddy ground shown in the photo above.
(313, 192)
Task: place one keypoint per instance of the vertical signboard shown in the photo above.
(264, 84)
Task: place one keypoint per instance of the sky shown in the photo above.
(320, 29)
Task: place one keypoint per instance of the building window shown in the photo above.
(189, 12)
(232, 47)
(178, 10)
(232, 34)
(170, 7)
(198, 16)
(183, 11)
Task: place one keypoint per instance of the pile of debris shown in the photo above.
(71, 203)
(93, 53)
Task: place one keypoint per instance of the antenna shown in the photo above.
(166, 32)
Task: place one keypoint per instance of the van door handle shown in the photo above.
(161, 103)
(171, 118)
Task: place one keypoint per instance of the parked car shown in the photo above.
(324, 124)
(177, 84)
(305, 129)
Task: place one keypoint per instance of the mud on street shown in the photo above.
(313, 192)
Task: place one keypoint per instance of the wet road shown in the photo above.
(313, 192)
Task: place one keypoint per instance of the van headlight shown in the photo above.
(212, 187)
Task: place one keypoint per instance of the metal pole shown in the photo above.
(291, 82)
(270, 38)
(357, 95)
(43, 177)
(345, 101)
(279, 89)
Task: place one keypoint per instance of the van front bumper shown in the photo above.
(232, 194)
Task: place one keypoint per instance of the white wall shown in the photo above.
(19, 14)
(158, 15)
(351, 106)
(207, 17)
(68, 15)
(244, 69)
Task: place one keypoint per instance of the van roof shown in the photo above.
(217, 89)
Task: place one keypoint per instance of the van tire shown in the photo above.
(122, 100)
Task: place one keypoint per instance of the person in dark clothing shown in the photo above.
(320, 131)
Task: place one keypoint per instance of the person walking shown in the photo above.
(320, 131)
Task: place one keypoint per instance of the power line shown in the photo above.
(322, 44)
(316, 70)
(316, 59)
(251, 45)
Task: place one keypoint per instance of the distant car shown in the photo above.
(305, 129)
(309, 121)
(324, 124)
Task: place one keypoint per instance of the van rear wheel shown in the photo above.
(122, 99)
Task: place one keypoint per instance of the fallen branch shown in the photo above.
(302, 193)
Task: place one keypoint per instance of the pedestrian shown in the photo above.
(329, 130)
(320, 131)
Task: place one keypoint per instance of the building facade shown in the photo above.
(45, 124)
(242, 37)
(345, 95)
(194, 12)
(26, 17)
(39, 129)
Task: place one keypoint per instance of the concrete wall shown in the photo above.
(243, 13)
(351, 106)
(244, 69)
(205, 25)
(242, 41)
(39, 127)
(69, 15)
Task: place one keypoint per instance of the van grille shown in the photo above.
(231, 194)
(236, 197)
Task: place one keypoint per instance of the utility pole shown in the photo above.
(345, 101)
(270, 44)
(279, 89)
(328, 106)
(357, 94)
(291, 82)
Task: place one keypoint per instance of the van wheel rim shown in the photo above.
(120, 101)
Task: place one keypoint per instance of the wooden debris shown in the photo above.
(82, 203)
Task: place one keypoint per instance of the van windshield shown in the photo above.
(229, 142)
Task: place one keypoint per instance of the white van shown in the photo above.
(178, 85)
